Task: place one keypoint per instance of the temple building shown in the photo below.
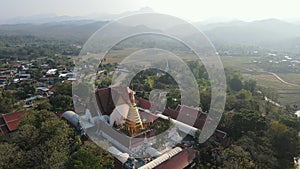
(125, 122)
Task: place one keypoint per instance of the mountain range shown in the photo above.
(273, 34)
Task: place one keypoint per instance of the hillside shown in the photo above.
(272, 34)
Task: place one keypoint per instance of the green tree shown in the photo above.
(236, 157)
(260, 149)
(7, 101)
(28, 89)
(231, 101)
(106, 160)
(234, 79)
(63, 89)
(44, 106)
(61, 102)
(43, 140)
(236, 83)
(247, 120)
(244, 95)
(10, 156)
(205, 99)
(285, 142)
(250, 85)
(83, 159)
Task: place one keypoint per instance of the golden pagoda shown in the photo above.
(133, 122)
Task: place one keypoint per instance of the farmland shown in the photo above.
(287, 94)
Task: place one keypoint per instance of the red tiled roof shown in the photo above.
(171, 113)
(4, 77)
(13, 125)
(220, 134)
(200, 121)
(17, 65)
(179, 161)
(12, 116)
(13, 119)
(187, 115)
(143, 103)
(52, 89)
(149, 117)
(191, 110)
(202, 116)
(121, 93)
(199, 124)
(105, 99)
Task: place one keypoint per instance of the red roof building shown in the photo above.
(171, 113)
(187, 115)
(104, 101)
(12, 120)
(182, 160)
(106, 98)
(176, 158)
(143, 103)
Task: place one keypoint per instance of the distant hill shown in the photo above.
(67, 30)
(271, 33)
(255, 32)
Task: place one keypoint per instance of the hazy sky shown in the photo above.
(192, 10)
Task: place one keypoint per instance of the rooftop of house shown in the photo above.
(12, 120)
(107, 98)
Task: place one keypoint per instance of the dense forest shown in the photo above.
(28, 47)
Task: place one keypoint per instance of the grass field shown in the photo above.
(287, 94)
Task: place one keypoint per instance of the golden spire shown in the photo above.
(133, 121)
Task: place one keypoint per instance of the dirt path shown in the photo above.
(283, 81)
